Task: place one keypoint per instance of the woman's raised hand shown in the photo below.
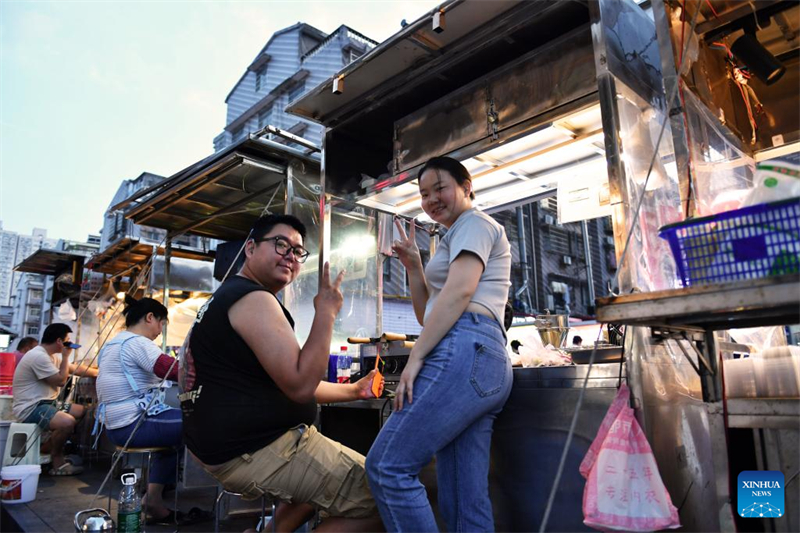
(406, 247)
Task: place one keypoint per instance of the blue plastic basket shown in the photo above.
(751, 242)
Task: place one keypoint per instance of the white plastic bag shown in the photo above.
(774, 180)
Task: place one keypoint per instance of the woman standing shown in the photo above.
(131, 369)
(458, 375)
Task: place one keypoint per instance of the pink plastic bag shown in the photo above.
(623, 489)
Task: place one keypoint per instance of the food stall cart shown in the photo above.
(531, 97)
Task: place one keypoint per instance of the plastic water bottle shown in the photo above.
(129, 514)
(343, 370)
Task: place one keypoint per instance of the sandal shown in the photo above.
(170, 519)
(197, 515)
(67, 469)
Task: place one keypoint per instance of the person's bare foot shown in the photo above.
(155, 511)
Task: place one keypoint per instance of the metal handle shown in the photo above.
(98, 510)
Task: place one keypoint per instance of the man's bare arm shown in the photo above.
(259, 320)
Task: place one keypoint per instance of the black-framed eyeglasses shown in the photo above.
(284, 247)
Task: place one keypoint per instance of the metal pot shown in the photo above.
(553, 329)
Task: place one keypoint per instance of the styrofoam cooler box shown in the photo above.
(4, 426)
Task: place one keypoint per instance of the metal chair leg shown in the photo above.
(110, 482)
(216, 511)
(146, 482)
(177, 481)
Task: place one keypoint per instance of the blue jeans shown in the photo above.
(463, 385)
(163, 430)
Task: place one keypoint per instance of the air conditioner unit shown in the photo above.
(548, 219)
(559, 287)
(566, 260)
(610, 241)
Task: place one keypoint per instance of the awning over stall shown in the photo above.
(220, 196)
(508, 88)
(126, 252)
(50, 262)
(414, 47)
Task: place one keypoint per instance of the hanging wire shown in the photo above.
(563, 460)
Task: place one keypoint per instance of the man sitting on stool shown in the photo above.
(250, 391)
(37, 381)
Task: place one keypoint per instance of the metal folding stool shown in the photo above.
(261, 523)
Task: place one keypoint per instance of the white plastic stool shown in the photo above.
(22, 446)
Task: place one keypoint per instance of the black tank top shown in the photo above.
(231, 406)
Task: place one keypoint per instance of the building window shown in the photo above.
(297, 91)
(261, 78)
(32, 330)
(238, 134)
(387, 269)
(265, 118)
(118, 220)
(354, 55)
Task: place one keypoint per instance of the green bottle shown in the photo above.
(129, 513)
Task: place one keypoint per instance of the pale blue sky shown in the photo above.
(95, 92)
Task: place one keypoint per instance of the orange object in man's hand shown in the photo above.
(378, 381)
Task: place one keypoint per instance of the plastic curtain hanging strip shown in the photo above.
(570, 434)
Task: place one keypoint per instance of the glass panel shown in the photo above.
(549, 264)
(353, 247)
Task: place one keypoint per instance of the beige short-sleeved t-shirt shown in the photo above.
(477, 233)
(29, 385)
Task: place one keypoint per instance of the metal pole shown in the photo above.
(587, 253)
(289, 192)
(288, 199)
(167, 258)
(324, 216)
(533, 258)
(523, 256)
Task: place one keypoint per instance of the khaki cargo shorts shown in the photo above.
(303, 466)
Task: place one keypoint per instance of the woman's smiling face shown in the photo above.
(443, 199)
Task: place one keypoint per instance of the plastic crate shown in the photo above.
(752, 242)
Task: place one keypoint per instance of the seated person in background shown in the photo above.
(131, 370)
(250, 391)
(24, 345)
(37, 380)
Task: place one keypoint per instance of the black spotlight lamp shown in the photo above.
(758, 59)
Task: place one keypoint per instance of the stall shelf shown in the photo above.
(747, 303)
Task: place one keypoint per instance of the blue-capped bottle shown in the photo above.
(129, 513)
